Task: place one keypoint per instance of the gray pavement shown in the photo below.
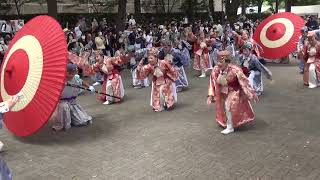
(130, 141)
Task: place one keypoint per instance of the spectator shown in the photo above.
(6, 28)
(20, 25)
(3, 48)
(312, 23)
(103, 24)
(83, 24)
(132, 21)
(94, 25)
(78, 31)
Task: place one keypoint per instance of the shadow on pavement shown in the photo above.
(74, 135)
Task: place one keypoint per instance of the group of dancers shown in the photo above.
(236, 76)
(235, 80)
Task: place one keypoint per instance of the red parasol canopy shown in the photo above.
(34, 65)
(279, 34)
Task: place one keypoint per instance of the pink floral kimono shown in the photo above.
(112, 81)
(162, 85)
(201, 52)
(311, 75)
(201, 57)
(233, 97)
(256, 50)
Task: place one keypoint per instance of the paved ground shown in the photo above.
(130, 141)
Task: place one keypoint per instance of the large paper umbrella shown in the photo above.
(278, 35)
(34, 65)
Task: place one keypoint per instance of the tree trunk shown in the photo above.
(122, 11)
(288, 5)
(211, 7)
(260, 3)
(94, 6)
(190, 9)
(52, 8)
(16, 3)
(137, 9)
(232, 9)
(277, 6)
(243, 7)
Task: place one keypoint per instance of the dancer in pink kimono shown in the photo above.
(202, 45)
(311, 52)
(229, 88)
(164, 75)
(244, 38)
(112, 81)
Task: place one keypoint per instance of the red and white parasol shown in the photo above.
(34, 65)
(279, 34)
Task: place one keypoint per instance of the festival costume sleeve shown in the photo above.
(192, 37)
(171, 71)
(262, 68)
(212, 83)
(143, 71)
(75, 59)
(187, 45)
(181, 58)
(257, 48)
(239, 40)
(318, 51)
(305, 52)
(184, 58)
(244, 83)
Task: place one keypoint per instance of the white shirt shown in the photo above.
(78, 32)
(149, 40)
(132, 22)
(6, 28)
(220, 29)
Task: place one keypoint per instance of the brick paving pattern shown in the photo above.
(128, 141)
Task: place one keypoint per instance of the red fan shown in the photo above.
(279, 34)
(34, 65)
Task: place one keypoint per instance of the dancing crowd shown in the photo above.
(158, 55)
(163, 52)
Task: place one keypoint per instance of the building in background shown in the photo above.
(70, 6)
